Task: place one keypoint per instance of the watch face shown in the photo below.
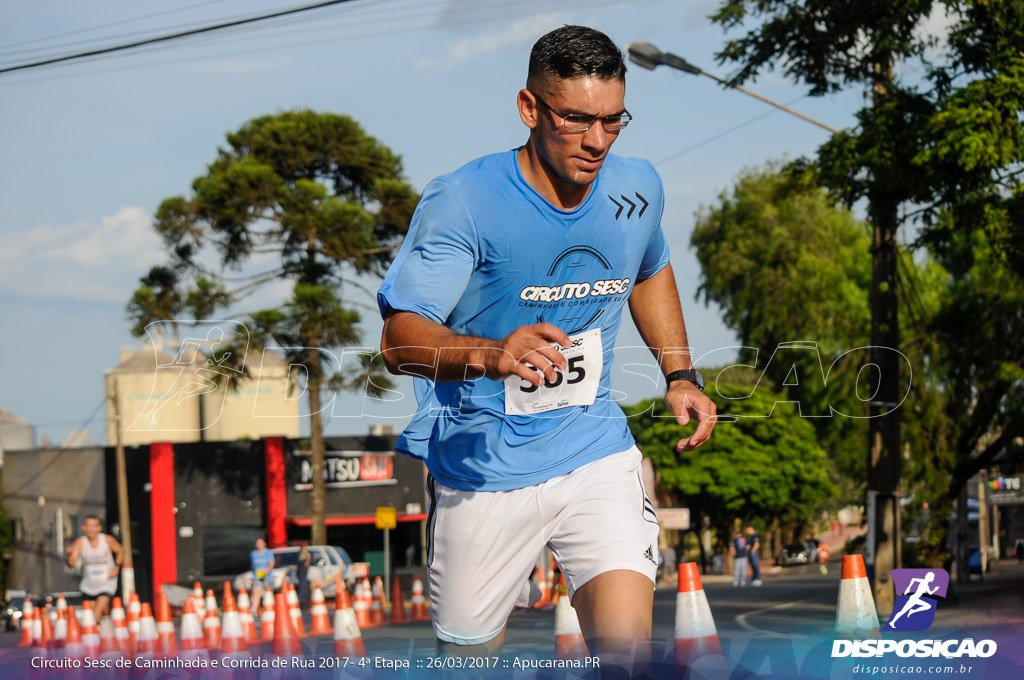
(699, 379)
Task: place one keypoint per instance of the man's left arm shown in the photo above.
(118, 552)
(658, 315)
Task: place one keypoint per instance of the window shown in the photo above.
(226, 549)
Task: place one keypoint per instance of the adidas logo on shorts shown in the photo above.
(649, 554)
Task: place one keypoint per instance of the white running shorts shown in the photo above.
(482, 545)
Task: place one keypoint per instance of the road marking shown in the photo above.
(742, 620)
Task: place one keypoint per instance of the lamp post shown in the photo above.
(647, 56)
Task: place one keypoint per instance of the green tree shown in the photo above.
(948, 142)
(323, 198)
(753, 467)
(788, 265)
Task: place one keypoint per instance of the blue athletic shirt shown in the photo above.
(486, 254)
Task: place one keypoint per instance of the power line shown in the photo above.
(308, 43)
(61, 452)
(723, 133)
(79, 31)
(172, 36)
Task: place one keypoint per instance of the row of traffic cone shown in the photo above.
(695, 633)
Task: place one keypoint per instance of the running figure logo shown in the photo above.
(914, 611)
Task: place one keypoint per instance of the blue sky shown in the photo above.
(90, 148)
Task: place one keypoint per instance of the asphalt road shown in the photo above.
(794, 603)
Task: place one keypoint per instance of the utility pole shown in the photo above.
(124, 518)
(883, 454)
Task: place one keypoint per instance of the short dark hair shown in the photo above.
(95, 517)
(574, 52)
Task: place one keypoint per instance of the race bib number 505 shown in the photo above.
(576, 387)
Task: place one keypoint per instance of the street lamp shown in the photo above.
(648, 56)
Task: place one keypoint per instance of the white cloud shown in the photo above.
(518, 33)
(86, 260)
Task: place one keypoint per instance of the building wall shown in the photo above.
(260, 407)
(145, 398)
(219, 496)
(47, 492)
(17, 436)
(172, 404)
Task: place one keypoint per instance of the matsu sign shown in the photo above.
(347, 469)
(674, 518)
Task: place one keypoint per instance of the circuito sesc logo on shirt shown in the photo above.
(916, 590)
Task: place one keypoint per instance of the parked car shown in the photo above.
(327, 563)
(12, 612)
(11, 609)
(798, 553)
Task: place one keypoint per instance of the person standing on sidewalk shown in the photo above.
(302, 574)
(753, 548)
(739, 550)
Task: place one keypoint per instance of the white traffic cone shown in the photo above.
(695, 631)
(348, 639)
(855, 614)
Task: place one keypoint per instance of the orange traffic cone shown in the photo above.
(233, 637)
(211, 602)
(134, 616)
(377, 603)
(397, 603)
(360, 605)
(43, 640)
(419, 603)
(286, 639)
(36, 624)
(149, 638)
(166, 645)
(246, 618)
(200, 603)
(212, 629)
(855, 613)
(569, 643)
(348, 640)
(119, 623)
(192, 643)
(60, 629)
(267, 617)
(320, 624)
(90, 631)
(696, 634)
(294, 609)
(545, 589)
(73, 647)
(26, 623)
(110, 647)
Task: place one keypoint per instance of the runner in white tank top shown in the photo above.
(101, 563)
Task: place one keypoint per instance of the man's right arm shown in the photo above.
(76, 548)
(414, 345)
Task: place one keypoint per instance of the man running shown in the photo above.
(507, 297)
(101, 555)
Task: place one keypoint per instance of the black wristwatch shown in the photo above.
(690, 375)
